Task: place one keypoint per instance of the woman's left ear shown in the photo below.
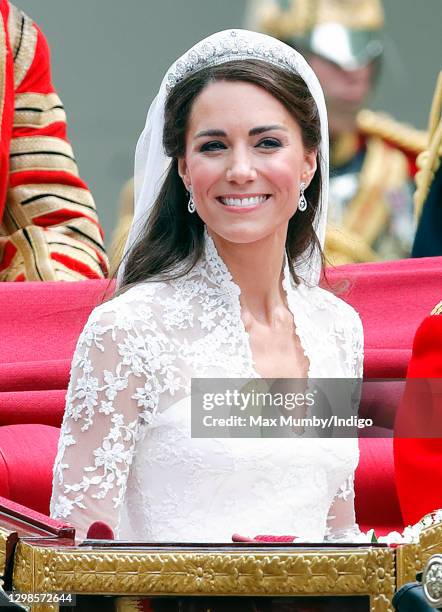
(309, 168)
(182, 171)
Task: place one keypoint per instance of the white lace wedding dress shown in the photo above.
(126, 456)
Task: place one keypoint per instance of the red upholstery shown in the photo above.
(39, 329)
(41, 323)
(27, 454)
(392, 298)
(43, 406)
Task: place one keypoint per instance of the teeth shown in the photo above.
(243, 201)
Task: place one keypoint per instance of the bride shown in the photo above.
(220, 279)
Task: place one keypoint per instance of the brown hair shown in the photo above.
(171, 236)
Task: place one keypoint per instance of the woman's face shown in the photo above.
(244, 160)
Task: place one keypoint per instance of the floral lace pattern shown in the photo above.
(125, 454)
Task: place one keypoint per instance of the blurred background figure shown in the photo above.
(372, 156)
(428, 196)
(49, 228)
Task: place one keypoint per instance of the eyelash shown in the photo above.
(274, 143)
(213, 145)
(216, 145)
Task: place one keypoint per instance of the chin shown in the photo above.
(242, 234)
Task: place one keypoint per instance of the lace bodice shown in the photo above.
(125, 454)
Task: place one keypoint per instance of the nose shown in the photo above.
(241, 168)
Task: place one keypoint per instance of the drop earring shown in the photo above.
(302, 204)
(191, 204)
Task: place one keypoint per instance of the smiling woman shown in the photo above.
(256, 162)
(243, 126)
(220, 280)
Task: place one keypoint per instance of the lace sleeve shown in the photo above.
(110, 400)
(341, 520)
(357, 348)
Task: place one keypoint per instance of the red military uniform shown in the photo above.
(49, 228)
(418, 461)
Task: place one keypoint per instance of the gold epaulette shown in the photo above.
(437, 310)
(404, 136)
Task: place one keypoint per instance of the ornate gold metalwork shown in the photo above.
(23, 570)
(408, 563)
(335, 571)
(411, 558)
(372, 571)
(24, 577)
(431, 542)
(3, 540)
(432, 581)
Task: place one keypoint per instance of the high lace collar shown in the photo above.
(221, 275)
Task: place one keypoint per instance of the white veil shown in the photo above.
(151, 162)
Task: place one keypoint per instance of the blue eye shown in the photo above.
(213, 145)
(269, 143)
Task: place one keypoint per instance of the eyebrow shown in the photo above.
(253, 132)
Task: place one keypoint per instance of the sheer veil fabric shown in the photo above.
(125, 454)
(151, 162)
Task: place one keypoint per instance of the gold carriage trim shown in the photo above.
(3, 542)
(411, 558)
(153, 570)
(336, 571)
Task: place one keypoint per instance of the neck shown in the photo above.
(257, 268)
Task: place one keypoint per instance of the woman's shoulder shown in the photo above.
(140, 302)
(335, 308)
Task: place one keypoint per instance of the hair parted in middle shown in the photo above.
(172, 241)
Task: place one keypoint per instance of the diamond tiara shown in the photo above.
(232, 45)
